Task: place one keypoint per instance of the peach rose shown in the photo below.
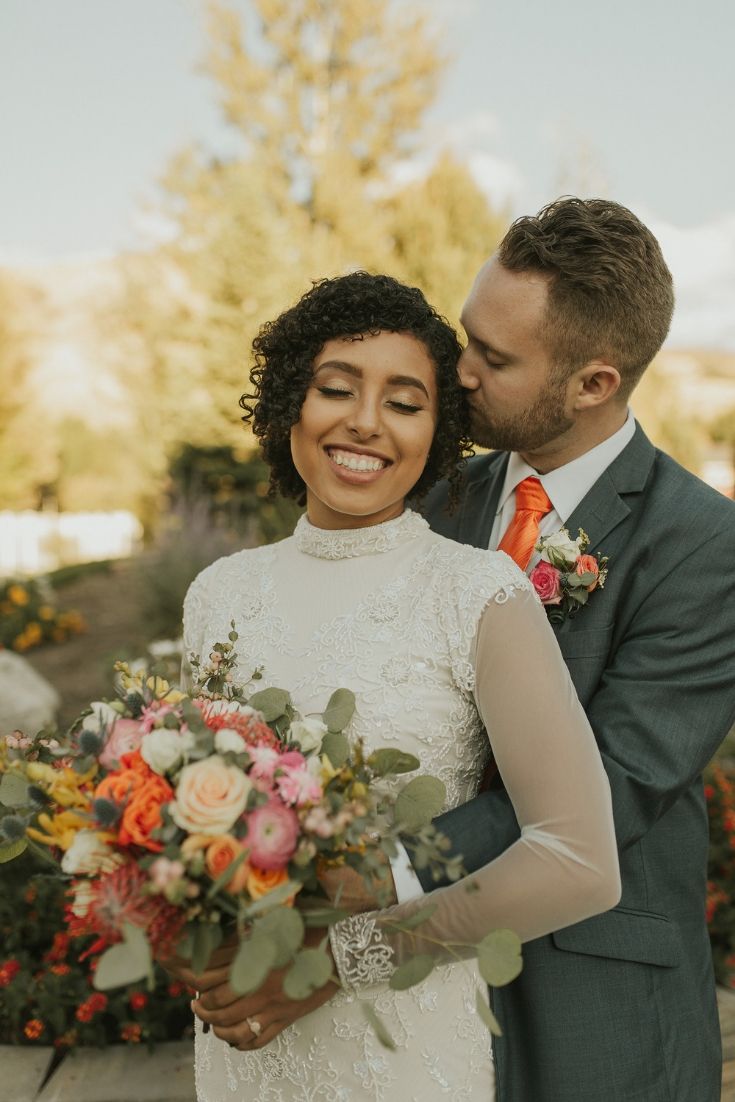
(262, 881)
(210, 796)
(588, 564)
(221, 852)
(142, 814)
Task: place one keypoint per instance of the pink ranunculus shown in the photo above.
(546, 580)
(273, 833)
(265, 761)
(125, 736)
(588, 564)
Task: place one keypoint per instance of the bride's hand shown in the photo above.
(219, 962)
(347, 890)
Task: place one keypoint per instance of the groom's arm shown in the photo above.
(664, 704)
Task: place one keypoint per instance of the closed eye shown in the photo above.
(405, 407)
(335, 392)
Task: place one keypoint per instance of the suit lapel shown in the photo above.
(604, 507)
(480, 503)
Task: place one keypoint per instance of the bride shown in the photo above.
(358, 408)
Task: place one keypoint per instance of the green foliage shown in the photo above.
(339, 710)
(29, 617)
(311, 969)
(499, 957)
(125, 963)
(419, 802)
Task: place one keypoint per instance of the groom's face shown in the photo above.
(517, 396)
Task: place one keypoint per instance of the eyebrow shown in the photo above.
(357, 373)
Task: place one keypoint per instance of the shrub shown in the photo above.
(720, 793)
(29, 617)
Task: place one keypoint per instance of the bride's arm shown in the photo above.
(564, 866)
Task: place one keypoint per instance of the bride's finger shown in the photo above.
(241, 1036)
(224, 1016)
(212, 978)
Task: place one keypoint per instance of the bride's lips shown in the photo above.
(339, 457)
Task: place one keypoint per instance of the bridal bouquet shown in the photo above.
(179, 816)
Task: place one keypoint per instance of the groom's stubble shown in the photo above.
(529, 430)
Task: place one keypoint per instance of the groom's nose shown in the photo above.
(468, 377)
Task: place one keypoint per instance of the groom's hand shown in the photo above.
(269, 1009)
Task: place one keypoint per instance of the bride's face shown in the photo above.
(366, 427)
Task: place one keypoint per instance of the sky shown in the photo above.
(633, 100)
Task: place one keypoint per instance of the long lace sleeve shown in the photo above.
(564, 867)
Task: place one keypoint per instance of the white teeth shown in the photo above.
(357, 462)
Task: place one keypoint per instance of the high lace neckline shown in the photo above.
(350, 543)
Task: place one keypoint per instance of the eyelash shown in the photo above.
(337, 392)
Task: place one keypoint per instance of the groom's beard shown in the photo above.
(526, 431)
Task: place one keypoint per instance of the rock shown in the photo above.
(27, 701)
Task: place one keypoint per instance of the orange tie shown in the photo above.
(532, 503)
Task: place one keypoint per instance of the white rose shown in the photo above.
(87, 855)
(217, 707)
(308, 733)
(163, 750)
(103, 716)
(559, 549)
(228, 740)
(210, 796)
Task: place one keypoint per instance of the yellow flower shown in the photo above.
(18, 595)
(328, 772)
(46, 612)
(61, 829)
(20, 643)
(33, 633)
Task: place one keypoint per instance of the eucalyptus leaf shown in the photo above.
(13, 790)
(125, 963)
(311, 969)
(324, 916)
(340, 710)
(378, 1025)
(12, 850)
(416, 918)
(384, 762)
(252, 963)
(193, 716)
(487, 1015)
(499, 957)
(207, 937)
(413, 971)
(336, 747)
(418, 803)
(272, 703)
(272, 899)
(285, 927)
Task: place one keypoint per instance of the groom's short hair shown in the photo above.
(611, 294)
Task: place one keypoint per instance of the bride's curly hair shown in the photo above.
(347, 306)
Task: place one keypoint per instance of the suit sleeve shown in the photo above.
(664, 704)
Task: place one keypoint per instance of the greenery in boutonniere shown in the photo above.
(566, 574)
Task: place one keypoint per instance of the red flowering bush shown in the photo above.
(720, 793)
(46, 992)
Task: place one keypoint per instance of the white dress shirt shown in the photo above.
(566, 487)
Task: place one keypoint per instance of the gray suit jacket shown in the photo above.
(621, 1007)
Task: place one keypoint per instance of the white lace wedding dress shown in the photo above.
(431, 636)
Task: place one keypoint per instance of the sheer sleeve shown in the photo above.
(564, 866)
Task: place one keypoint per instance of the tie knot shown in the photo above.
(531, 495)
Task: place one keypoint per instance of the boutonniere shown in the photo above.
(566, 575)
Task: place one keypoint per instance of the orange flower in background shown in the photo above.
(142, 814)
(221, 852)
(131, 1033)
(18, 595)
(33, 1029)
(262, 881)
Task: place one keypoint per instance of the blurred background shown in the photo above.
(175, 173)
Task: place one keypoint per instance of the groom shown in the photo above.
(561, 323)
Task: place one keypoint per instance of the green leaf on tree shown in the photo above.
(499, 957)
(378, 1025)
(418, 803)
(487, 1015)
(311, 969)
(253, 961)
(125, 963)
(410, 973)
(339, 710)
(384, 762)
(272, 703)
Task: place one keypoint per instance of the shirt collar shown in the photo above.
(567, 485)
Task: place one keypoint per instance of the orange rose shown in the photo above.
(262, 881)
(118, 787)
(221, 852)
(588, 564)
(142, 814)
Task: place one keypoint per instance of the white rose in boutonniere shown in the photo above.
(566, 575)
(308, 733)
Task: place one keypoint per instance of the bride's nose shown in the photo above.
(365, 418)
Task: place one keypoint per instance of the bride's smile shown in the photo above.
(366, 428)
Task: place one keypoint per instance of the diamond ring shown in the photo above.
(256, 1027)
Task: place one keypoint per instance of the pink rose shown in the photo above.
(273, 832)
(125, 736)
(588, 564)
(546, 580)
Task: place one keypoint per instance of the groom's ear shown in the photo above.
(595, 384)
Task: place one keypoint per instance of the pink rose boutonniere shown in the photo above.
(566, 574)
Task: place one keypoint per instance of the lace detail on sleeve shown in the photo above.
(361, 952)
(476, 579)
